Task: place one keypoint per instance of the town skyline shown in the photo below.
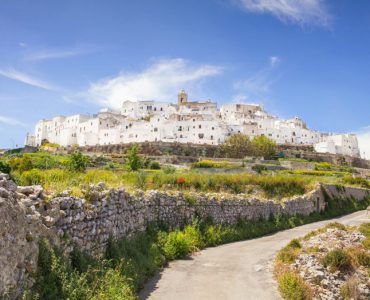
(309, 59)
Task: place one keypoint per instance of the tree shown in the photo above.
(263, 146)
(133, 160)
(77, 162)
(237, 146)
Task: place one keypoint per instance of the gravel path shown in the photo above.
(240, 270)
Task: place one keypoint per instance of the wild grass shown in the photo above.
(58, 180)
(293, 287)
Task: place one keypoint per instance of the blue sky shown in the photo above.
(305, 57)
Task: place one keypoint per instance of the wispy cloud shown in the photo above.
(274, 60)
(257, 86)
(25, 78)
(11, 121)
(159, 81)
(303, 12)
(56, 53)
(364, 142)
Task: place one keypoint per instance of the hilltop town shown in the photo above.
(195, 122)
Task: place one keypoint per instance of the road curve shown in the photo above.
(240, 270)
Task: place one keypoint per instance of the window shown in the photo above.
(201, 135)
(211, 137)
(161, 108)
(200, 126)
(213, 128)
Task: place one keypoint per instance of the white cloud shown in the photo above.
(364, 142)
(56, 53)
(160, 81)
(298, 11)
(25, 78)
(11, 121)
(22, 45)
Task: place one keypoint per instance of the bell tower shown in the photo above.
(182, 97)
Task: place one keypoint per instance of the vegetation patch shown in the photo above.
(333, 262)
(293, 287)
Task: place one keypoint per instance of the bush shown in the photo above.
(360, 257)
(21, 164)
(169, 170)
(337, 259)
(290, 252)
(114, 286)
(293, 287)
(154, 165)
(77, 162)
(4, 167)
(177, 245)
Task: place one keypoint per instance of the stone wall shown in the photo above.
(25, 216)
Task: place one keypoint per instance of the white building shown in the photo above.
(184, 122)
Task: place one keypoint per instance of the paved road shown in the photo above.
(240, 270)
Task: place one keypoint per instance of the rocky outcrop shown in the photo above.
(326, 283)
(25, 216)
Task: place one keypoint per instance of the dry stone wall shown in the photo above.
(25, 216)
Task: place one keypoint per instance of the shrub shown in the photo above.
(293, 287)
(77, 162)
(290, 252)
(360, 257)
(169, 170)
(114, 286)
(4, 167)
(133, 160)
(337, 259)
(177, 245)
(154, 165)
(21, 164)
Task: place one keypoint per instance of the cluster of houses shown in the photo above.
(185, 122)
